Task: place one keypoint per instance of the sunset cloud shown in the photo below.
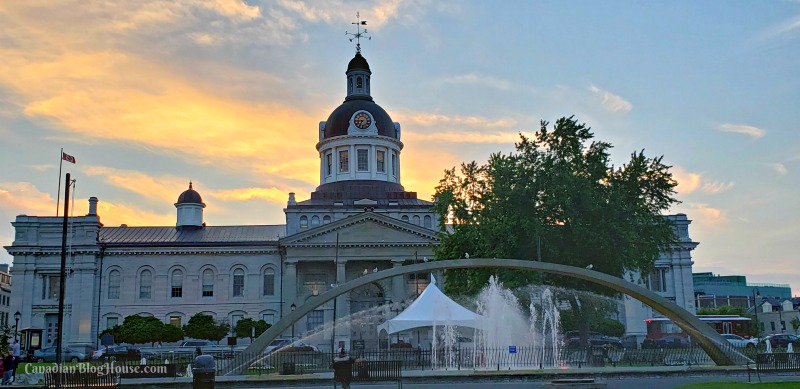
(476, 79)
(689, 182)
(610, 101)
(424, 119)
(753, 132)
(779, 168)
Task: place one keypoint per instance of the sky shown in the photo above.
(150, 94)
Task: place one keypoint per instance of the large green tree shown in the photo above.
(245, 327)
(201, 326)
(557, 198)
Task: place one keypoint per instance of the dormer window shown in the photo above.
(344, 163)
(363, 160)
(381, 163)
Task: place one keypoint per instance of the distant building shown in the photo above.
(671, 278)
(6, 318)
(714, 291)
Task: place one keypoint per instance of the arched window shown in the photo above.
(426, 221)
(238, 282)
(145, 284)
(415, 219)
(177, 283)
(359, 82)
(314, 221)
(303, 221)
(404, 218)
(208, 283)
(114, 280)
(326, 219)
(269, 282)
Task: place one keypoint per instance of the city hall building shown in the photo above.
(359, 219)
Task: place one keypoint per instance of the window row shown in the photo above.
(362, 161)
(426, 221)
(176, 285)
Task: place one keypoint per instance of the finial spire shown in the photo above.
(190, 184)
(358, 34)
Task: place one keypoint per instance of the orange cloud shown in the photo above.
(690, 182)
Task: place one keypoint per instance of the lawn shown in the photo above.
(737, 385)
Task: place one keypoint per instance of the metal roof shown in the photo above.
(206, 235)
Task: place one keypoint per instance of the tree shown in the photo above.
(795, 324)
(137, 329)
(201, 326)
(559, 199)
(244, 327)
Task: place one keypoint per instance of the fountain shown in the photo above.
(506, 335)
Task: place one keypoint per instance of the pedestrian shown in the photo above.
(343, 369)
(17, 357)
(198, 352)
(9, 364)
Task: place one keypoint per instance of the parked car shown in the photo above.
(573, 340)
(286, 344)
(667, 341)
(49, 355)
(198, 343)
(738, 341)
(783, 340)
(119, 353)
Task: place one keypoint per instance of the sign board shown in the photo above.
(107, 340)
(512, 349)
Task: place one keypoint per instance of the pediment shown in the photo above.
(368, 229)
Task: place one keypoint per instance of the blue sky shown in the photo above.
(148, 95)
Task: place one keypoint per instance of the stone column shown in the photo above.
(289, 285)
(398, 285)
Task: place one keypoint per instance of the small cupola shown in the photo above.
(190, 209)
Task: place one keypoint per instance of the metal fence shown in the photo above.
(301, 362)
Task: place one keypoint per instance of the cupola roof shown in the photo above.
(190, 196)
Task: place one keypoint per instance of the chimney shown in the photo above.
(92, 206)
(292, 201)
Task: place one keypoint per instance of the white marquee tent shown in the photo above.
(432, 307)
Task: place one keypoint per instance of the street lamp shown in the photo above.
(756, 297)
(293, 308)
(17, 316)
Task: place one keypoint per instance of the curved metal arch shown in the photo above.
(719, 349)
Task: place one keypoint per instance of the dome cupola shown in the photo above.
(190, 209)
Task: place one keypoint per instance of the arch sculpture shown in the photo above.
(719, 349)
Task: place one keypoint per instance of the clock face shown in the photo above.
(362, 120)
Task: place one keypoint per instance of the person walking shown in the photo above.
(17, 357)
(9, 364)
(343, 369)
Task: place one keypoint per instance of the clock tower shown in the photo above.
(359, 152)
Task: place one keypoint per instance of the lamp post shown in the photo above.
(400, 308)
(756, 297)
(293, 308)
(17, 316)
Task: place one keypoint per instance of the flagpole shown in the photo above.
(58, 192)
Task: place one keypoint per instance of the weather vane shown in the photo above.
(359, 34)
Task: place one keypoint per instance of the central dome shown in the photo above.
(339, 121)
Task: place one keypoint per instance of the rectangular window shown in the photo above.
(314, 320)
(344, 163)
(177, 291)
(363, 160)
(175, 320)
(658, 280)
(269, 318)
(269, 282)
(208, 290)
(238, 283)
(112, 322)
(328, 163)
(381, 163)
(394, 164)
(53, 287)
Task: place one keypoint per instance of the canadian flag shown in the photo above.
(67, 157)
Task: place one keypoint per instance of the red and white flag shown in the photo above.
(67, 157)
